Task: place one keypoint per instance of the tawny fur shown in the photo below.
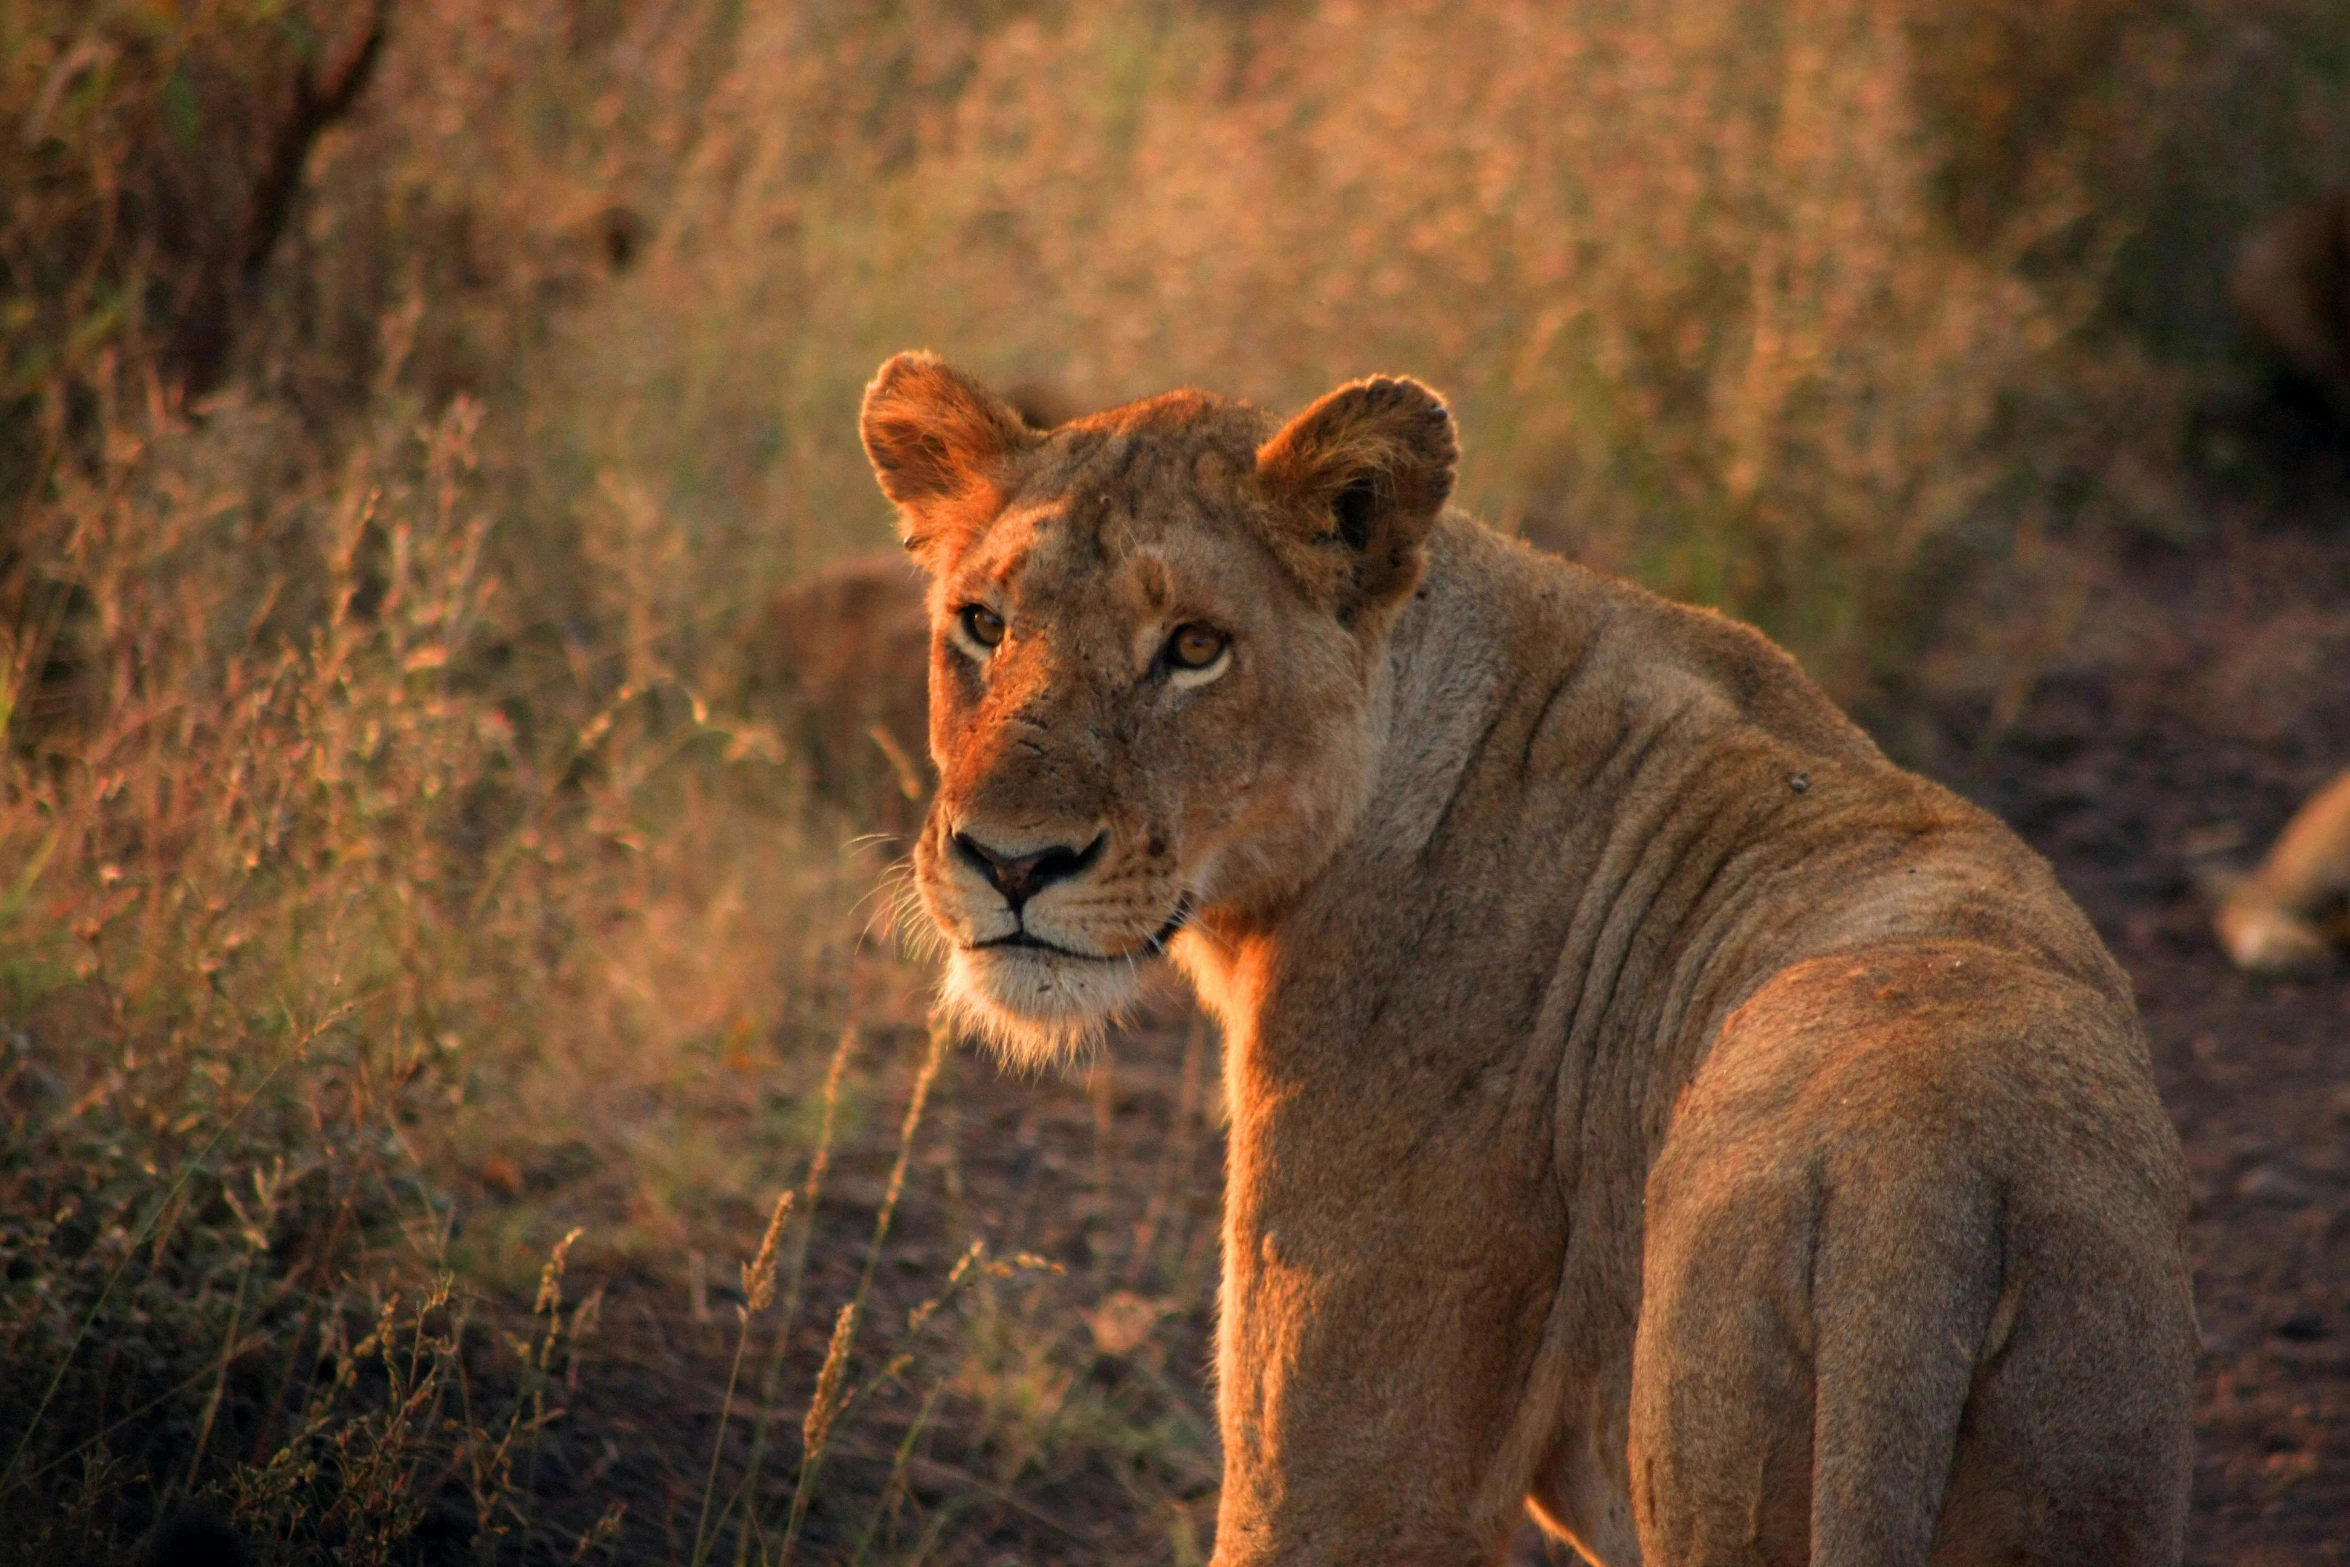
(841, 659)
(2292, 289)
(1648, 1103)
(2275, 920)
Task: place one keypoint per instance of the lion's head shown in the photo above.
(1157, 673)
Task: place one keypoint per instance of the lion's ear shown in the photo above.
(1360, 477)
(938, 441)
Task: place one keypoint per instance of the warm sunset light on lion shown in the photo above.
(1648, 1103)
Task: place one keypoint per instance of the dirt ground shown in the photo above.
(2135, 778)
(2207, 691)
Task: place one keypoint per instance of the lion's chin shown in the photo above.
(1035, 1008)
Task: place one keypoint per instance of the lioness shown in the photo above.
(1648, 1103)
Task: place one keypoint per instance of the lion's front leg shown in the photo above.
(1378, 1336)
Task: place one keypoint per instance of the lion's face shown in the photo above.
(1157, 643)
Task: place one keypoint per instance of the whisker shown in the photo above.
(1207, 933)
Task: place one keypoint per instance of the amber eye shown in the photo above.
(983, 625)
(1195, 646)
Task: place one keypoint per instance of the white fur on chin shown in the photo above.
(1035, 1009)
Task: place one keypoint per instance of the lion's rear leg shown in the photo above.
(1840, 1362)
(2078, 1440)
(1721, 1419)
(2269, 922)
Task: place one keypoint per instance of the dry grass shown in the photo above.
(422, 966)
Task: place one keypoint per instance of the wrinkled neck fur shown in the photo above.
(1447, 673)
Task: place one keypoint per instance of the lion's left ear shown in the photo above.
(1359, 479)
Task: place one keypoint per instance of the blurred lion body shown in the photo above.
(842, 654)
(1648, 1104)
(2273, 921)
(2292, 287)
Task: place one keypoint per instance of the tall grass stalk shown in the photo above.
(253, 1229)
(795, 1275)
(826, 1404)
(894, 1489)
(758, 1285)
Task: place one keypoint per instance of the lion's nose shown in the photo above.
(1020, 877)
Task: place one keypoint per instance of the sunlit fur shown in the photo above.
(2276, 919)
(1213, 790)
(1032, 1009)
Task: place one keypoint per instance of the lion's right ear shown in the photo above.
(939, 443)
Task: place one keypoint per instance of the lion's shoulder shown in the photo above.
(1691, 738)
(1638, 648)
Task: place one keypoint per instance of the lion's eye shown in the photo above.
(983, 625)
(1196, 646)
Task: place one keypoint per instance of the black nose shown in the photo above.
(1020, 877)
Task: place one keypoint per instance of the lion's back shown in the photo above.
(1688, 756)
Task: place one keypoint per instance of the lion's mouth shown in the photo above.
(1153, 945)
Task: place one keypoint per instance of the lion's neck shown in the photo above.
(1536, 800)
(1449, 668)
